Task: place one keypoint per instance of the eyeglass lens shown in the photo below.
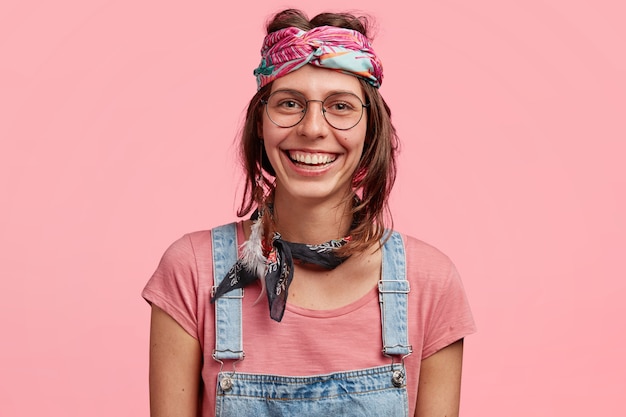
(286, 108)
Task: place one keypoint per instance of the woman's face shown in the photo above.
(313, 160)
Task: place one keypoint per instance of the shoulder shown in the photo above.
(424, 256)
(183, 279)
(183, 250)
(191, 250)
(429, 268)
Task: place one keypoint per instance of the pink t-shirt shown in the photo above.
(308, 342)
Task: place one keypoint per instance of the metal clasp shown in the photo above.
(226, 381)
(398, 376)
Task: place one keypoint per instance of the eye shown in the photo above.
(341, 104)
(284, 101)
(290, 104)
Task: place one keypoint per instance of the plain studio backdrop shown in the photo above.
(118, 122)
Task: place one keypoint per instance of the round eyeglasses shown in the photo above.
(287, 108)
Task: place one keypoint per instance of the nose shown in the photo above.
(314, 123)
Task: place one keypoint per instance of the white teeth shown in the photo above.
(311, 159)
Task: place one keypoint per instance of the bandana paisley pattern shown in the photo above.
(279, 266)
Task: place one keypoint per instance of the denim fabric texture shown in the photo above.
(228, 340)
(393, 290)
(378, 391)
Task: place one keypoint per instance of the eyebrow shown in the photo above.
(328, 94)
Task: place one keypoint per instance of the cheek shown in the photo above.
(270, 134)
(267, 129)
(354, 138)
(356, 141)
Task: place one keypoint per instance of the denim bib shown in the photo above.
(378, 391)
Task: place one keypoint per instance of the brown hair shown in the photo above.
(376, 172)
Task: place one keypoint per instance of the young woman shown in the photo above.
(311, 306)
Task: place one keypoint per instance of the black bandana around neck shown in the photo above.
(277, 267)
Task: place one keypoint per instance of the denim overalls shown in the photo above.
(378, 391)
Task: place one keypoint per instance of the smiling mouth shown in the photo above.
(311, 159)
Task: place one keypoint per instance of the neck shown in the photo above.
(312, 222)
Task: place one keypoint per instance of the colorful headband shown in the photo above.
(340, 49)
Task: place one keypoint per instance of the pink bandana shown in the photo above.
(331, 47)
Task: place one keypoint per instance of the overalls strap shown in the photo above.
(228, 308)
(393, 291)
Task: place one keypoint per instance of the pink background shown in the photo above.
(117, 126)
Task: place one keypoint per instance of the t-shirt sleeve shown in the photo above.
(174, 285)
(450, 317)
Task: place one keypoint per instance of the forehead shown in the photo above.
(314, 82)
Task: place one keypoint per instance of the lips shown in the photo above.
(311, 158)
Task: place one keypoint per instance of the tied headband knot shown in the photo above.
(340, 49)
